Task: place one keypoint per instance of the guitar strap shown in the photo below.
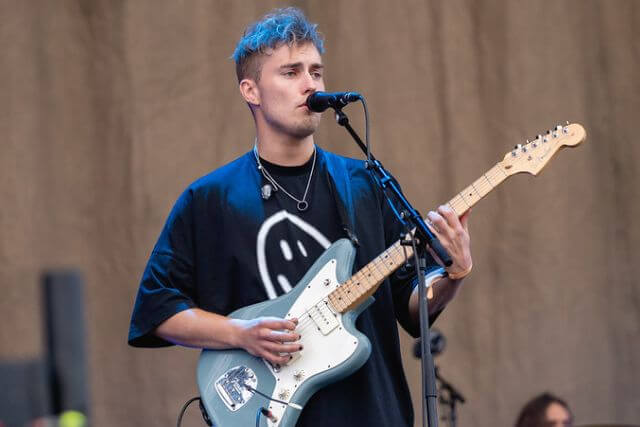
(340, 188)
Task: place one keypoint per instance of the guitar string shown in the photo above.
(459, 199)
(307, 316)
(306, 319)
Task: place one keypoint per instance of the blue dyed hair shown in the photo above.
(288, 25)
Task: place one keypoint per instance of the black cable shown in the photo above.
(253, 390)
(366, 128)
(184, 408)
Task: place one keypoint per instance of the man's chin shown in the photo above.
(306, 129)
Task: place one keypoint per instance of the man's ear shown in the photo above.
(250, 92)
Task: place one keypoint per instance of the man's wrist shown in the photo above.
(233, 333)
(459, 275)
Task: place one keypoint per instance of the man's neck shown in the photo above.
(285, 151)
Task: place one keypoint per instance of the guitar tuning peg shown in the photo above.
(538, 139)
(558, 127)
(567, 122)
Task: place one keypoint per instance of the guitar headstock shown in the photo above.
(534, 155)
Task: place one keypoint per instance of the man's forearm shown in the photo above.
(271, 338)
(199, 328)
(443, 291)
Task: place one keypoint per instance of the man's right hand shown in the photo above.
(271, 338)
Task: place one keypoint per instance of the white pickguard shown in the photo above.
(320, 352)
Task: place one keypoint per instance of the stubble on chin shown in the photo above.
(306, 126)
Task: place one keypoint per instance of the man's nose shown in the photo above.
(310, 84)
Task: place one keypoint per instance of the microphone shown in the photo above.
(320, 101)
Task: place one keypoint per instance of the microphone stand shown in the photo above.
(410, 218)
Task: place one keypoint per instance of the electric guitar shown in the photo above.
(234, 385)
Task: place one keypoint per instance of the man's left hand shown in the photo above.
(453, 233)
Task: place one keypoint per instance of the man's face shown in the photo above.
(288, 76)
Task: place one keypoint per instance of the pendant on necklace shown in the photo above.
(266, 191)
(303, 205)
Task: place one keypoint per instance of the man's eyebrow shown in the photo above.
(315, 66)
(291, 65)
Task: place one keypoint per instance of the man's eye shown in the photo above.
(289, 73)
(317, 75)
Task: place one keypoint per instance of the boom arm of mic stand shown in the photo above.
(388, 182)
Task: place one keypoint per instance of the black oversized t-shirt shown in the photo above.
(224, 247)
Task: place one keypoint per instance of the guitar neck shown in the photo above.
(530, 158)
(467, 198)
(365, 282)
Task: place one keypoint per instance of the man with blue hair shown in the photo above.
(248, 232)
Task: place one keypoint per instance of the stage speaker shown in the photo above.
(23, 392)
(65, 351)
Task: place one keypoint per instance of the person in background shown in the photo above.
(545, 410)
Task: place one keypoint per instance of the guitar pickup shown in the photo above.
(323, 317)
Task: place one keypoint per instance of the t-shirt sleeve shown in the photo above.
(167, 284)
(404, 280)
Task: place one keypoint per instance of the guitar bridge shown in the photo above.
(231, 386)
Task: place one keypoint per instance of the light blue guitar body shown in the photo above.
(333, 349)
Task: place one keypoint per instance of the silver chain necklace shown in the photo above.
(302, 205)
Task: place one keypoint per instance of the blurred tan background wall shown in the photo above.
(108, 109)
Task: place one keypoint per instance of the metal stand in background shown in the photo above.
(450, 397)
